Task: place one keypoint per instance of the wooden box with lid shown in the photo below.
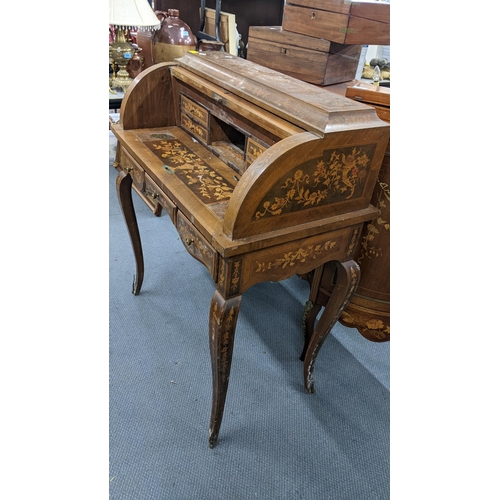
(313, 60)
(340, 21)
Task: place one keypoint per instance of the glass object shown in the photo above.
(376, 75)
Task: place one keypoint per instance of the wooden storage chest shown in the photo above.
(340, 21)
(313, 60)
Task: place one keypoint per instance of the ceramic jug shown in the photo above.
(173, 39)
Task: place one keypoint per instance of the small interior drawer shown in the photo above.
(195, 128)
(194, 110)
(254, 148)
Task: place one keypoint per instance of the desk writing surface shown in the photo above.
(205, 175)
(197, 181)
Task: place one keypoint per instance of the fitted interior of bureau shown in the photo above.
(233, 129)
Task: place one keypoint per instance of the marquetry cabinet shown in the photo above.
(369, 309)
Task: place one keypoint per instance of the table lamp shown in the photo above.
(125, 15)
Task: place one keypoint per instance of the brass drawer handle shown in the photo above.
(188, 241)
(128, 169)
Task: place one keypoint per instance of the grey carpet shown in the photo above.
(276, 441)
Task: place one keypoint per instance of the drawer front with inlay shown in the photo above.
(194, 128)
(297, 257)
(194, 110)
(254, 149)
(196, 244)
(158, 198)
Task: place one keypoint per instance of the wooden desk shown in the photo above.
(263, 177)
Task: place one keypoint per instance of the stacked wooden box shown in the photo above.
(320, 41)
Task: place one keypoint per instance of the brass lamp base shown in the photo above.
(121, 80)
(120, 52)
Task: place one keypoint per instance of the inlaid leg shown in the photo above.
(222, 325)
(124, 190)
(312, 308)
(311, 311)
(347, 279)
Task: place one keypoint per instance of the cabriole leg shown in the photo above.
(311, 311)
(222, 325)
(347, 279)
(124, 190)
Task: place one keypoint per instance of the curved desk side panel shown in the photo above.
(306, 179)
(148, 101)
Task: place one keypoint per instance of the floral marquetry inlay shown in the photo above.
(376, 329)
(339, 174)
(290, 259)
(197, 130)
(192, 108)
(235, 276)
(368, 244)
(192, 170)
(254, 149)
(226, 328)
(352, 244)
(232, 279)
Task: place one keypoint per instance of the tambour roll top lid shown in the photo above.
(307, 106)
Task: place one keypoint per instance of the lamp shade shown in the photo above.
(132, 14)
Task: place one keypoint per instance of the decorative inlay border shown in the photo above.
(235, 276)
(310, 252)
(227, 328)
(378, 226)
(222, 273)
(230, 271)
(353, 242)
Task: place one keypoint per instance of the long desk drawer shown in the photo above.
(196, 244)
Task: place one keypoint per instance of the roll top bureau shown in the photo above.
(263, 177)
